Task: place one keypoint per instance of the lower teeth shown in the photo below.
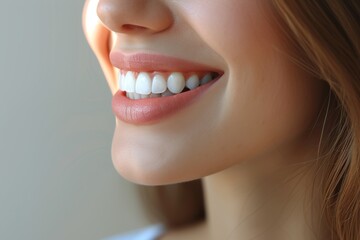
(137, 96)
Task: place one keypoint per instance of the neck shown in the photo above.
(263, 199)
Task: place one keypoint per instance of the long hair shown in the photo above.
(326, 33)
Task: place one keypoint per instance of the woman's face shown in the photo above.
(261, 104)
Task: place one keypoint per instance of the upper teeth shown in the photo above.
(145, 83)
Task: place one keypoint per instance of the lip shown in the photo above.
(151, 110)
(145, 62)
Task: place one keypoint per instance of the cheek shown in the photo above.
(236, 30)
(269, 109)
(268, 102)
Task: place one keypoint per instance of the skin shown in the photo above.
(244, 136)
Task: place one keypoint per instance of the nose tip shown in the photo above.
(134, 16)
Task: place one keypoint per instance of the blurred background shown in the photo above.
(57, 180)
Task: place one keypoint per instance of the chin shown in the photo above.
(146, 166)
(142, 160)
(139, 172)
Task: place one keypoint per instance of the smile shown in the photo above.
(150, 90)
(140, 85)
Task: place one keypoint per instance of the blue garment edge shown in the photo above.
(148, 233)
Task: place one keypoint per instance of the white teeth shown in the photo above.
(158, 84)
(143, 83)
(136, 95)
(207, 78)
(151, 85)
(129, 85)
(144, 96)
(121, 81)
(192, 82)
(130, 95)
(176, 82)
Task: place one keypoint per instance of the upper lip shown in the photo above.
(146, 62)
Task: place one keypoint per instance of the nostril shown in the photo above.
(129, 27)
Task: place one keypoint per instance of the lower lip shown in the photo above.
(151, 110)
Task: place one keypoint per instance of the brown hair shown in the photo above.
(326, 32)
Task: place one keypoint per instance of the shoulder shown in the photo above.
(148, 233)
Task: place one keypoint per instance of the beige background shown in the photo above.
(56, 176)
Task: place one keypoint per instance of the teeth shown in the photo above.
(150, 85)
(143, 83)
(120, 81)
(130, 95)
(154, 95)
(158, 84)
(144, 96)
(129, 82)
(192, 82)
(167, 93)
(136, 96)
(207, 78)
(176, 82)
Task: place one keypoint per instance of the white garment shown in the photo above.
(148, 233)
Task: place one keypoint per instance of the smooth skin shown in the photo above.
(246, 136)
